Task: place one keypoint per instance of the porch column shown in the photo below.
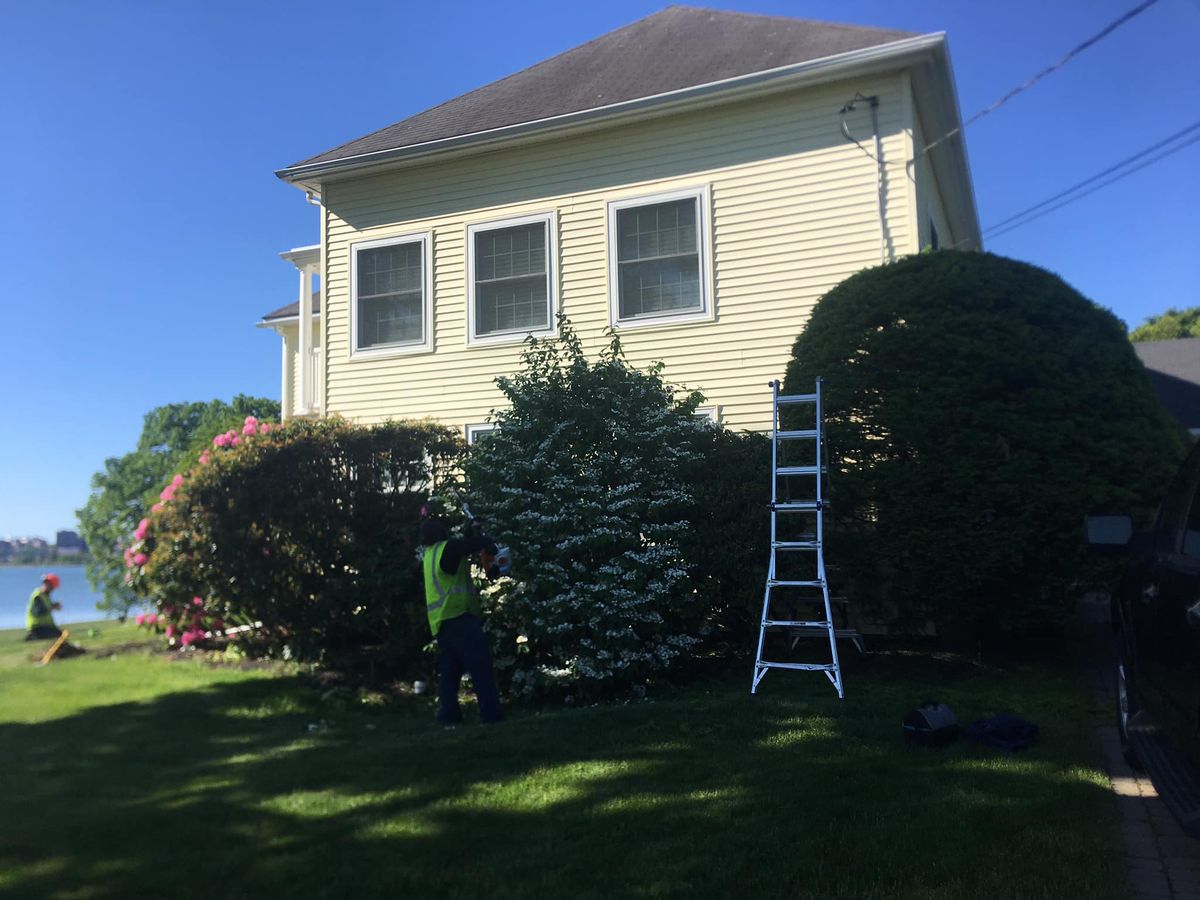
(304, 358)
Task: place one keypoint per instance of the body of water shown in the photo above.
(75, 594)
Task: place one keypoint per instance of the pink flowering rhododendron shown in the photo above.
(205, 457)
(139, 559)
(196, 601)
(171, 631)
(140, 619)
(250, 426)
(139, 533)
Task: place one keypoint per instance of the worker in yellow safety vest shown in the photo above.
(455, 618)
(39, 615)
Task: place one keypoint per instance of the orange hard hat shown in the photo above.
(51, 579)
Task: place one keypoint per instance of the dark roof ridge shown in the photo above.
(498, 81)
(461, 113)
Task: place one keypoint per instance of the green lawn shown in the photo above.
(138, 776)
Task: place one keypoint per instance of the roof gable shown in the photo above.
(677, 48)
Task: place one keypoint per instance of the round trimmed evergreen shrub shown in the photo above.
(977, 409)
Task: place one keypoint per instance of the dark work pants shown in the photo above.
(463, 647)
(42, 633)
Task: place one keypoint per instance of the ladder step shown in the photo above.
(803, 667)
(800, 470)
(777, 583)
(802, 434)
(787, 623)
(791, 399)
(796, 545)
(797, 506)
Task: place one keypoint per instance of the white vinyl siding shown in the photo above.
(392, 303)
(793, 211)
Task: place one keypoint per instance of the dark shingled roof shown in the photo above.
(1174, 370)
(292, 310)
(680, 47)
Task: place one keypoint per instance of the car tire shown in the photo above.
(1127, 705)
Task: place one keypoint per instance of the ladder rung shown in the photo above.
(802, 434)
(785, 623)
(804, 667)
(796, 545)
(797, 506)
(817, 583)
(786, 399)
(800, 470)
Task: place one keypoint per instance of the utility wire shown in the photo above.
(1193, 127)
(1070, 55)
(1024, 217)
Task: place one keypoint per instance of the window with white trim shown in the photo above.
(392, 294)
(511, 278)
(476, 433)
(657, 254)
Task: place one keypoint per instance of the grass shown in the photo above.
(138, 776)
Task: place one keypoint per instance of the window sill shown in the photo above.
(389, 352)
(510, 338)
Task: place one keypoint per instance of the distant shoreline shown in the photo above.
(59, 564)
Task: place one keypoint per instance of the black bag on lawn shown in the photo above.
(1007, 733)
(930, 725)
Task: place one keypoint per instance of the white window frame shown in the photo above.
(516, 336)
(712, 413)
(475, 431)
(425, 238)
(707, 311)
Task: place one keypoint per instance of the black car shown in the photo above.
(1156, 619)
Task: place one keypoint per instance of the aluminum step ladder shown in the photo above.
(812, 509)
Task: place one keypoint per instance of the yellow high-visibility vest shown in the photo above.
(38, 612)
(447, 596)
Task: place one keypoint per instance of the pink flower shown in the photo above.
(170, 631)
(177, 480)
(151, 618)
(168, 493)
(188, 637)
(139, 559)
(156, 507)
(128, 557)
(205, 457)
(234, 441)
(139, 533)
(266, 428)
(140, 618)
(221, 440)
(251, 420)
(251, 425)
(196, 601)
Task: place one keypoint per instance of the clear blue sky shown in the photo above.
(142, 221)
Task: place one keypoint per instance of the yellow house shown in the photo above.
(697, 180)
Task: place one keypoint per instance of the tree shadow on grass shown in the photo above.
(225, 793)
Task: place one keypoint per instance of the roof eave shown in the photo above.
(891, 55)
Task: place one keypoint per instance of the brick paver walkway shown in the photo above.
(1164, 863)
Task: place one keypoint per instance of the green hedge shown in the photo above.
(977, 409)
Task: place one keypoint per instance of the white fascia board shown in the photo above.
(937, 105)
(303, 256)
(288, 320)
(842, 65)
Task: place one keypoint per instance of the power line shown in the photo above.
(1054, 67)
(1195, 125)
(1095, 187)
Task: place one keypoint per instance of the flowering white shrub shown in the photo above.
(586, 479)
